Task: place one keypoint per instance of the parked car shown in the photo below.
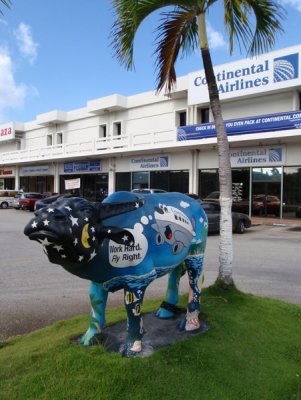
(7, 197)
(16, 201)
(147, 190)
(45, 201)
(240, 221)
(27, 200)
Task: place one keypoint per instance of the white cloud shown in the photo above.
(11, 94)
(294, 3)
(27, 46)
(215, 38)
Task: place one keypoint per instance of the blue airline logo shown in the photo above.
(286, 68)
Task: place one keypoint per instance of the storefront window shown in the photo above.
(208, 183)
(140, 180)
(123, 181)
(92, 187)
(292, 192)
(179, 181)
(266, 191)
(159, 180)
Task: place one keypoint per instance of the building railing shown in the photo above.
(107, 145)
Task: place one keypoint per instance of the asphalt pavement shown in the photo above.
(34, 293)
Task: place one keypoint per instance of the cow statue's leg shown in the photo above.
(98, 298)
(168, 308)
(133, 299)
(194, 265)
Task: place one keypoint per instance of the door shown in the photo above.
(266, 192)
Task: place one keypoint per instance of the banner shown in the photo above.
(242, 126)
(72, 184)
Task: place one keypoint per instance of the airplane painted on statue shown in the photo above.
(126, 242)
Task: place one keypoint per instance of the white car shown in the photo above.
(146, 190)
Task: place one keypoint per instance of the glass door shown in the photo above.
(266, 191)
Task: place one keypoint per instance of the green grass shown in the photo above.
(252, 351)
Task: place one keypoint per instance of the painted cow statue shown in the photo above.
(126, 242)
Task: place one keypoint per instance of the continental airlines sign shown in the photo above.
(272, 71)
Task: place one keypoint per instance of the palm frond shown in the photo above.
(238, 17)
(177, 32)
(129, 14)
(6, 3)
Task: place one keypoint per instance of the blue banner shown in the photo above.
(84, 166)
(242, 126)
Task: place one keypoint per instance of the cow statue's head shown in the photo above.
(71, 230)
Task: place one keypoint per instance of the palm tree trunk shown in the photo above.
(225, 177)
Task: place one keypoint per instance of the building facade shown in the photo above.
(169, 142)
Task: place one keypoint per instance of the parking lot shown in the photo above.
(34, 293)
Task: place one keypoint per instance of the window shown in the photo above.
(181, 118)
(59, 138)
(103, 131)
(117, 129)
(49, 140)
(202, 115)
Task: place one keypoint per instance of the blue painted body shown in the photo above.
(125, 242)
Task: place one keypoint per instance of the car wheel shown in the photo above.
(4, 205)
(240, 227)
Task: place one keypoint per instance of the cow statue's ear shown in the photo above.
(108, 210)
(118, 235)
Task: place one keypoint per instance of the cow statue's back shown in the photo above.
(126, 242)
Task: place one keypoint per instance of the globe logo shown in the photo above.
(275, 155)
(286, 68)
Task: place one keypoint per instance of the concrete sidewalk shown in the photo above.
(276, 221)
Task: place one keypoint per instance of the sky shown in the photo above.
(56, 55)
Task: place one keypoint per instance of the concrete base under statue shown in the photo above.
(159, 333)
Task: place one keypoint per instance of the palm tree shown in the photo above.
(6, 3)
(182, 29)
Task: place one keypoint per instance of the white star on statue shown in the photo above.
(92, 229)
(34, 224)
(46, 222)
(93, 239)
(86, 219)
(58, 247)
(45, 242)
(92, 255)
(50, 210)
(109, 231)
(75, 241)
(68, 208)
(63, 255)
(74, 220)
(125, 238)
(136, 205)
(80, 258)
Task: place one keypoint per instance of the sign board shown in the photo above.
(35, 170)
(7, 132)
(263, 123)
(83, 166)
(7, 172)
(147, 163)
(268, 72)
(258, 156)
(72, 184)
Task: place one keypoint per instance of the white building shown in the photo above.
(168, 142)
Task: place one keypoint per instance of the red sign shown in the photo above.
(7, 132)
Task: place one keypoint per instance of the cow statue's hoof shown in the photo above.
(131, 349)
(191, 322)
(164, 314)
(91, 338)
(168, 310)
